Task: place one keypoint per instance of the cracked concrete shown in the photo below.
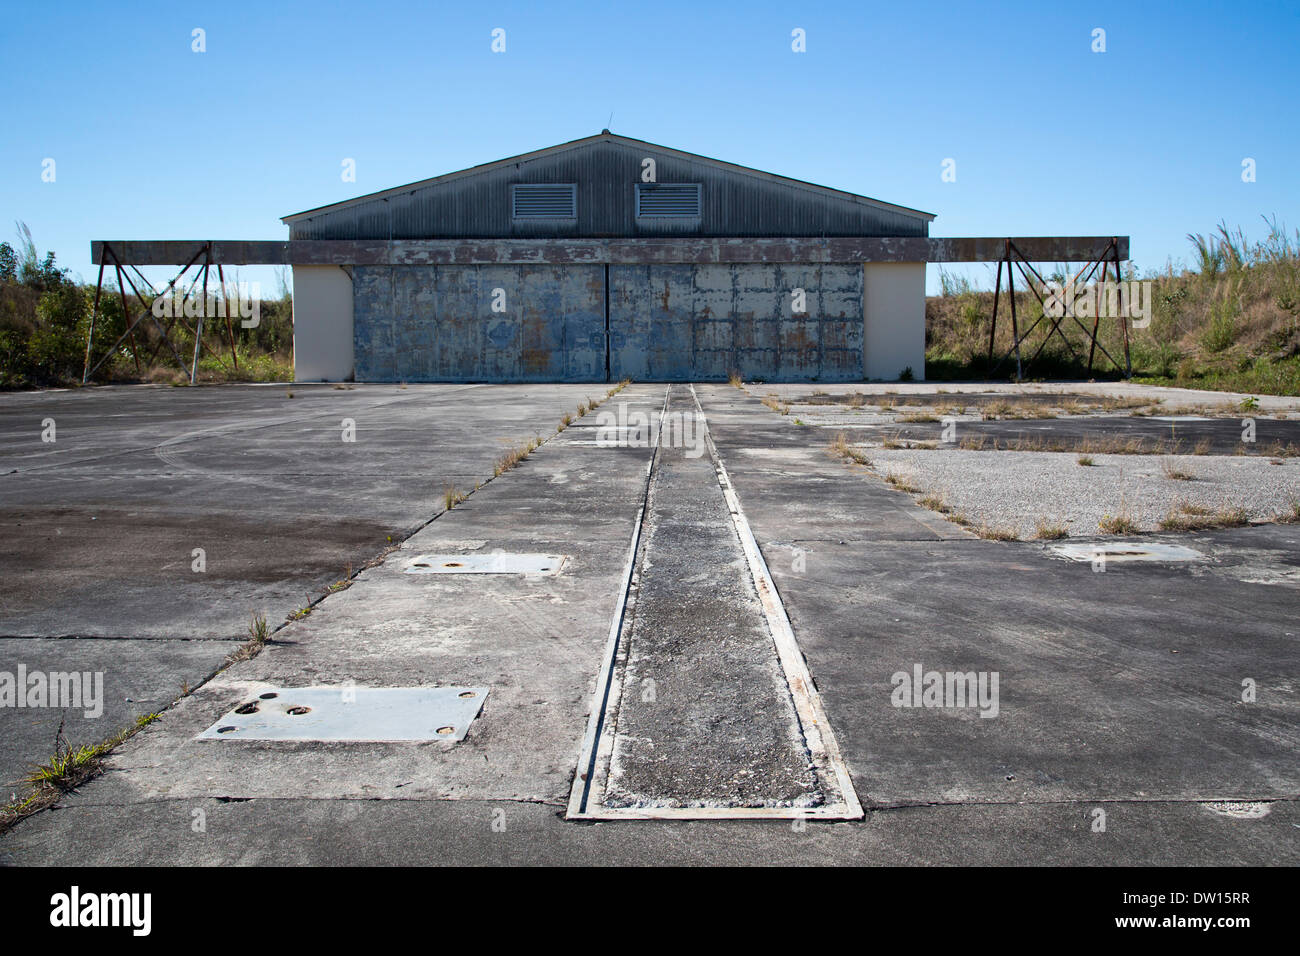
(99, 529)
(1120, 691)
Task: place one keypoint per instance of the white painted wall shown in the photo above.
(322, 324)
(893, 308)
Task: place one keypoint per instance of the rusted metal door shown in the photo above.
(594, 323)
(485, 323)
(684, 322)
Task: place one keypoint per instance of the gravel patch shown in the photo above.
(953, 391)
(823, 410)
(1014, 490)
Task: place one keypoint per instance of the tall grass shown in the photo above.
(45, 317)
(1228, 320)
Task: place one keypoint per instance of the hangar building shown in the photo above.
(608, 258)
(597, 260)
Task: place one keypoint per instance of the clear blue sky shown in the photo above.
(152, 140)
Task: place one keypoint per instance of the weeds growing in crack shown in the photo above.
(451, 497)
(68, 768)
(258, 634)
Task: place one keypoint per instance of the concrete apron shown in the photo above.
(534, 640)
(706, 709)
(727, 739)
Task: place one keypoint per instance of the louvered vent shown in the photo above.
(668, 200)
(544, 201)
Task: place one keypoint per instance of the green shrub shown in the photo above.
(1221, 330)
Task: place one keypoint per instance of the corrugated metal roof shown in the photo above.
(367, 223)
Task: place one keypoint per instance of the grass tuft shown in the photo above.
(1045, 530)
(1174, 473)
(774, 403)
(841, 448)
(70, 765)
(451, 497)
(902, 484)
(68, 768)
(1188, 517)
(934, 503)
(1118, 524)
(990, 533)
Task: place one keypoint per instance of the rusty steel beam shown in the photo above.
(110, 256)
(1014, 258)
(608, 251)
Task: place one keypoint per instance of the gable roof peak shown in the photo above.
(605, 136)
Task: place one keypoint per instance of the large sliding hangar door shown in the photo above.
(584, 323)
(703, 322)
(482, 323)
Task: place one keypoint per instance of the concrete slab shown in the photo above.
(136, 677)
(470, 832)
(535, 640)
(1118, 685)
(98, 529)
(821, 500)
(1119, 692)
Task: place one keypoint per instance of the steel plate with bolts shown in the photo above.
(1117, 551)
(494, 563)
(373, 714)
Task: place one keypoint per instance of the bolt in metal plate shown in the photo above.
(371, 714)
(493, 563)
(1118, 551)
